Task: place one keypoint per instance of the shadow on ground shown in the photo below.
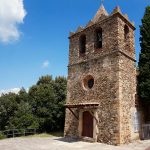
(67, 140)
(148, 148)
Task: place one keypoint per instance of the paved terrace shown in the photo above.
(55, 143)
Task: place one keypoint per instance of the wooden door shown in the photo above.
(87, 126)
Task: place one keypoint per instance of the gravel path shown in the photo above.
(55, 143)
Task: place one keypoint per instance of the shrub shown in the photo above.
(2, 136)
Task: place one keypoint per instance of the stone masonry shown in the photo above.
(113, 69)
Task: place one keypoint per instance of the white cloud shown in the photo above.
(14, 90)
(45, 64)
(12, 13)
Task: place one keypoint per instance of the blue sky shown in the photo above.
(41, 45)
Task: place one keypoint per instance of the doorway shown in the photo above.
(87, 125)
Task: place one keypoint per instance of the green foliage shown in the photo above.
(8, 106)
(45, 80)
(144, 59)
(2, 136)
(60, 88)
(41, 108)
(23, 118)
(47, 100)
(42, 101)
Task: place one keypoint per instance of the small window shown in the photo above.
(82, 44)
(126, 32)
(98, 38)
(90, 83)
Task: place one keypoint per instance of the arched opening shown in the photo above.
(126, 32)
(98, 38)
(82, 45)
(88, 82)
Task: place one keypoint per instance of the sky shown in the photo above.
(34, 35)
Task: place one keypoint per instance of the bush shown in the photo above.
(2, 136)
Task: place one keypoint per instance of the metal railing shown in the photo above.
(18, 132)
(145, 131)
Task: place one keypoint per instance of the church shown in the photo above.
(101, 89)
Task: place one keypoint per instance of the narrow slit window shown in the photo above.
(98, 39)
(82, 44)
(126, 32)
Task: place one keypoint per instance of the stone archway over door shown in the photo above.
(87, 124)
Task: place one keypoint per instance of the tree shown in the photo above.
(8, 106)
(23, 117)
(144, 65)
(144, 59)
(42, 101)
(45, 80)
(60, 88)
(22, 96)
(47, 100)
(41, 108)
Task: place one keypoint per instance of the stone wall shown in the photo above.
(105, 71)
(127, 93)
(109, 30)
(127, 84)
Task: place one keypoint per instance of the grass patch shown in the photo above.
(58, 134)
(44, 135)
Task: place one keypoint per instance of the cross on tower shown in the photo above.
(102, 1)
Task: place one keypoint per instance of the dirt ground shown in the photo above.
(55, 143)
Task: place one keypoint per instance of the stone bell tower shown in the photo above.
(101, 92)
